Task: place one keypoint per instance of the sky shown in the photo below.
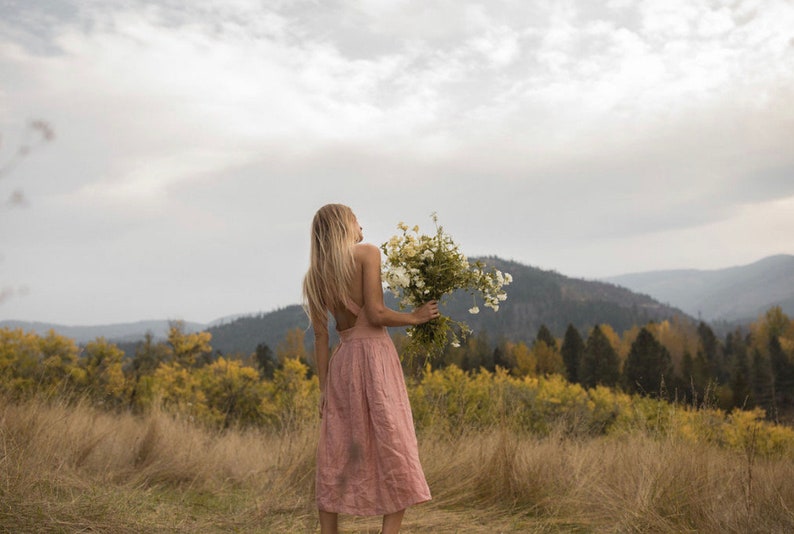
(193, 141)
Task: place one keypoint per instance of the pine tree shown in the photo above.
(740, 382)
(502, 359)
(700, 376)
(600, 364)
(712, 354)
(265, 362)
(782, 372)
(572, 353)
(762, 382)
(686, 383)
(648, 366)
(738, 370)
(545, 335)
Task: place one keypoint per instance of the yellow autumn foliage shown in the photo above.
(228, 392)
(105, 379)
(292, 397)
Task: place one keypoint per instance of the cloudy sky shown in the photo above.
(194, 141)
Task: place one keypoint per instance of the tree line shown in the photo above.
(180, 373)
(677, 359)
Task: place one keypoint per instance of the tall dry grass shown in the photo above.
(70, 468)
(629, 484)
(73, 468)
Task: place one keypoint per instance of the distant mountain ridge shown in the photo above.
(739, 293)
(120, 332)
(535, 297)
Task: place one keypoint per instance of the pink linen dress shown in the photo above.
(367, 455)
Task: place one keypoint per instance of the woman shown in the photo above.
(367, 456)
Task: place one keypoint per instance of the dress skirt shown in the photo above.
(367, 455)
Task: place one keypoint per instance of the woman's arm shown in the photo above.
(368, 256)
(321, 356)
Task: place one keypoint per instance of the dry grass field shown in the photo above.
(75, 468)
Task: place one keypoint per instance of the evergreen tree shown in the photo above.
(466, 363)
(762, 383)
(600, 364)
(648, 366)
(685, 383)
(782, 372)
(477, 353)
(265, 362)
(700, 376)
(712, 354)
(501, 359)
(545, 335)
(485, 350)
(740, 382)
(572, 352)
(736, 353)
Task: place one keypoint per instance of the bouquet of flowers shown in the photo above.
(419, 268)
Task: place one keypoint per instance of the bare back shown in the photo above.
(344, 317)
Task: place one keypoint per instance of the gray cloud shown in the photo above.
(196, 140)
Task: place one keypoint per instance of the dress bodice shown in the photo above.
(362, 328)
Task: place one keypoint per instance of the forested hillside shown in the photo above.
(590, 333)
(535, 297)
(242, 335)
(677, 359)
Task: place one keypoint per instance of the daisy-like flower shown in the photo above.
(419, 268)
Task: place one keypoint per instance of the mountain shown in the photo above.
(535, 297)
(121, 332)
(733, 294)
(243, 334)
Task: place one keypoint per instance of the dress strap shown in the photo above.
(352, 306)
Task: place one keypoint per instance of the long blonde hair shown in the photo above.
(331, 266)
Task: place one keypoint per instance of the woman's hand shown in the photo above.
(426, 312)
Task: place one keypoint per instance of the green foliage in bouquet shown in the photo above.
(420, 268)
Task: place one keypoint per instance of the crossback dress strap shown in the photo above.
(352, 306)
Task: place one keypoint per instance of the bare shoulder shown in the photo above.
(366, 252)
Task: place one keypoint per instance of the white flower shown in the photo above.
(419, 265)
(399, 277)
